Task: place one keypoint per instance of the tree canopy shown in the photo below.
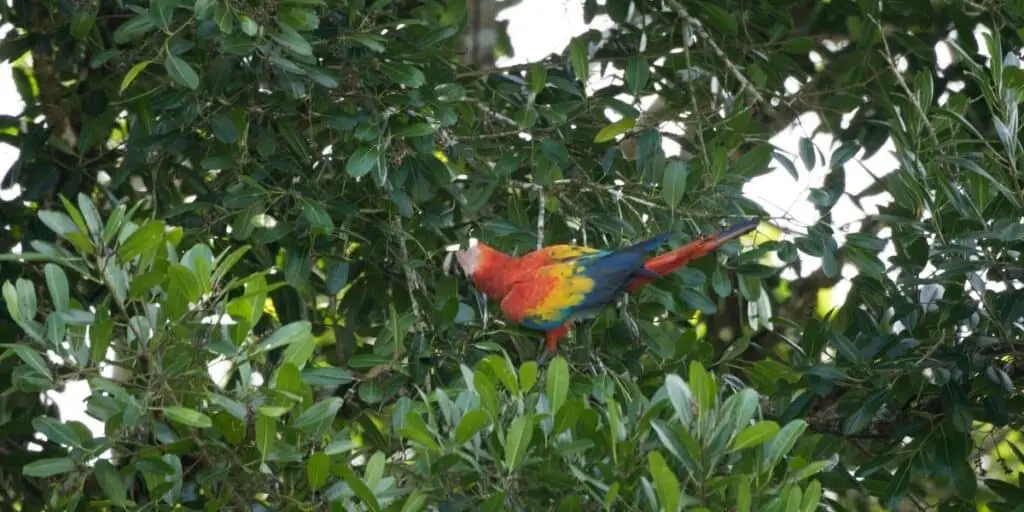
(234, 219)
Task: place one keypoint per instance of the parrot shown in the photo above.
(549, 288)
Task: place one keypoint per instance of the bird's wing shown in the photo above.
(576, 285)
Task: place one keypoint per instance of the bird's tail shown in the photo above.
(667, 263)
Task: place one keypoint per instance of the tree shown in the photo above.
(270, 189)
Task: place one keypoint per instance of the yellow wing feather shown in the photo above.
(545, 299)
(570, 288)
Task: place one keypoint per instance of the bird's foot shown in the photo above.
(545, 357)
(634, 328)
(597, 365)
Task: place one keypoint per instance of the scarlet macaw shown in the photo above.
(550, 287)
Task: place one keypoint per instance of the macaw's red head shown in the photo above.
(487, 267)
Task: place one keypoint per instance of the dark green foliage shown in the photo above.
(300, 167)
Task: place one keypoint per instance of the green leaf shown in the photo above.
(699, 301)
(416, 430)
(812, 497)
(101, 333)
(146, 238)
(678, 442)
(538, 76)
(91, 216)
(783, 442)
(232, 407)
(111, 482)
(45, 468)
(807, 153)
(327, 377)
(56, 329)
(82, 22)
(318, 470)
(405, 74)
(292, 41)
(319, 220)
(844, 153)
(703, 386)
(743, 494)
(416, 130)
(361, 162)
(614, 130)
(31, 358)
(449, 93)
(972, 166)
(416, 502)
(287, 378)
(204, 8)
(183, 288)
(318, 413)
(844, 347)
(892, 496)
(188, 417)
(337, 276)
(266, 433)
(720, 19)
(517, 441)
(567, 416)
(57, 283)
(638, 71)
(472, 422)
(300, 352)
(56, 431)
(788, 165)
(811, 469)
(673, 183)
(162, 12)
(579, 56)
(225, 263)
(273, 411)
(504, 371)
(132, 74)
(864, 414)
(754, 435)
(181, 72)
(527, 376)
(484, 387)
(224, 128)
(11, 300)
(58, 222)
(134, 28)
(557, 383)
(287, 334)
(754, 162)
(359, 488)
(682, 400)
(665, 483)
(370, 41)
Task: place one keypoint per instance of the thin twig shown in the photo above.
(615, 191)
(541, 205)
(412, 279)
(735, 70)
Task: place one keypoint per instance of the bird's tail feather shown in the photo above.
(667, 263)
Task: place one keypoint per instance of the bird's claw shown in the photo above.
(597, 365)
(544, 357)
